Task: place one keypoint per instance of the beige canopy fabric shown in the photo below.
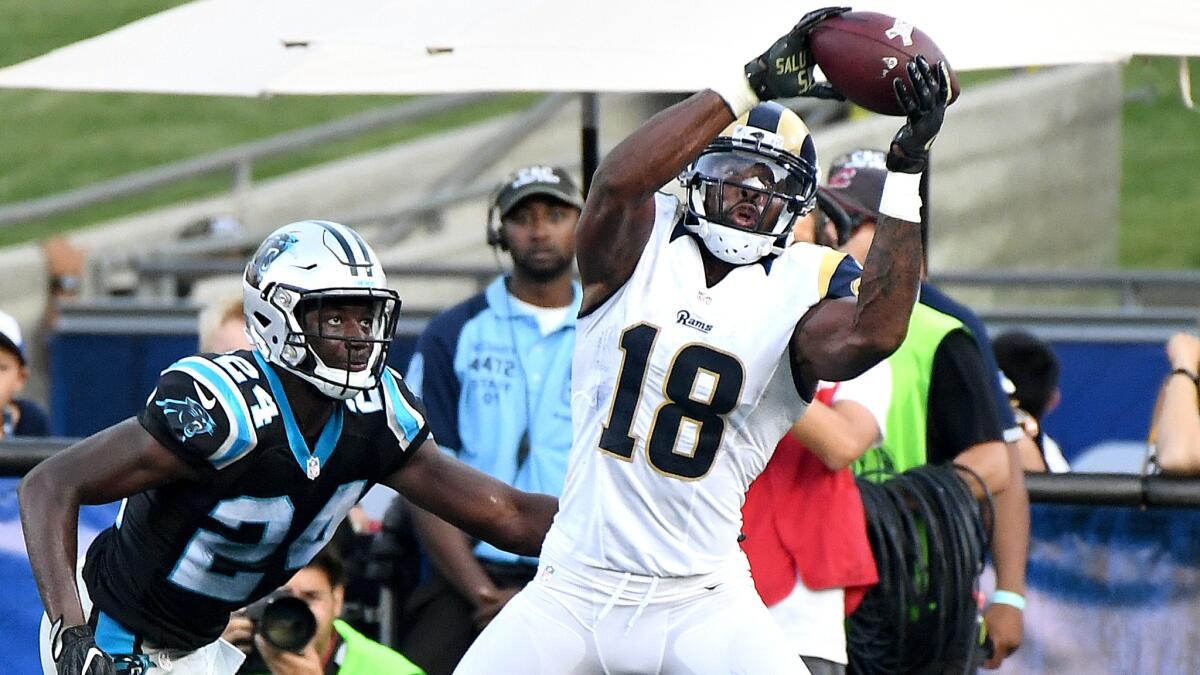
(265, 47)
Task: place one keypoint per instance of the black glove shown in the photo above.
(925, 107)
(785, 70)
(76, 653)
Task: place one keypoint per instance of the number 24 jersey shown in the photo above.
(680, 394)
(183, 555)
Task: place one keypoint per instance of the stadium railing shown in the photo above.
(1149, 300)
(19, 455)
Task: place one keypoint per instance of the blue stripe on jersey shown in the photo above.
(112, 637)
(207, 373)
(403, 414)
(845, 279)
(329, 435)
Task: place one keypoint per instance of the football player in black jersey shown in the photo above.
(240, 467)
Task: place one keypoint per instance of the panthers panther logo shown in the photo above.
(267, 253)
(193, 419)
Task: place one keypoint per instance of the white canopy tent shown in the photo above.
(266, 47)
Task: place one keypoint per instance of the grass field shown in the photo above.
(1160, 168)
(56, 141)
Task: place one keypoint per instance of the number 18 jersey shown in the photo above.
(680, 394)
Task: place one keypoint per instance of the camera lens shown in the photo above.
(287, 623)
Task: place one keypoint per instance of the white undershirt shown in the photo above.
(872, 390)
(548, 318)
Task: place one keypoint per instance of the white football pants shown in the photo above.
(583, 620)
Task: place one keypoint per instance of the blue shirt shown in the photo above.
(498, 392)
(932, 296)
(33, 422)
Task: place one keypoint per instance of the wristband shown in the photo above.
(901, 196)
(738, 95)
(1009, 598)
(1188, 374)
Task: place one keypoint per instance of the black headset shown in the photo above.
(495, 225)
(495, 230)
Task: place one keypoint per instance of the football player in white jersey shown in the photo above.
(700, 339)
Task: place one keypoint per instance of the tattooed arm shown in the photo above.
(836, 339)
(840, 339)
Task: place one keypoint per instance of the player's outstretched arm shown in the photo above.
(110, 465)
(619, 213)
(474, 501)
(837, 340)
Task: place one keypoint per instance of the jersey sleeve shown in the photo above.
(406, 420)
(197, 412)
(839, 275)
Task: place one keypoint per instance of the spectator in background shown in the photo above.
(943, 406)
(223, 327)
(495, 374)
(64, 264)
(336, 648)
(1032, 369)
(1175, 429)
(19, 417)
(64, 267)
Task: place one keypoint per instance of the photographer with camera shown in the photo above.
(295, 630)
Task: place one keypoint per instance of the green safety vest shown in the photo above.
(912, 368)
(363, 656)
(360, 655)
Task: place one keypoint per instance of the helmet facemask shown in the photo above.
(739, 189)
(337, 338)
(751, 183)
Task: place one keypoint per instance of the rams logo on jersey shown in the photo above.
(193, 419)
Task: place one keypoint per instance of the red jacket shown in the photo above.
(800, 517)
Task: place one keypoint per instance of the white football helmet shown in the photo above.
(748, 187)
(304, 266)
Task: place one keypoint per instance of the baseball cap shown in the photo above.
(856, 180)
(10, 336)
(538, 179)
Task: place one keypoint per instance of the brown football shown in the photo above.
(862, 52)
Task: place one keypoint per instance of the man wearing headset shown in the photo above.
(495, 374)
